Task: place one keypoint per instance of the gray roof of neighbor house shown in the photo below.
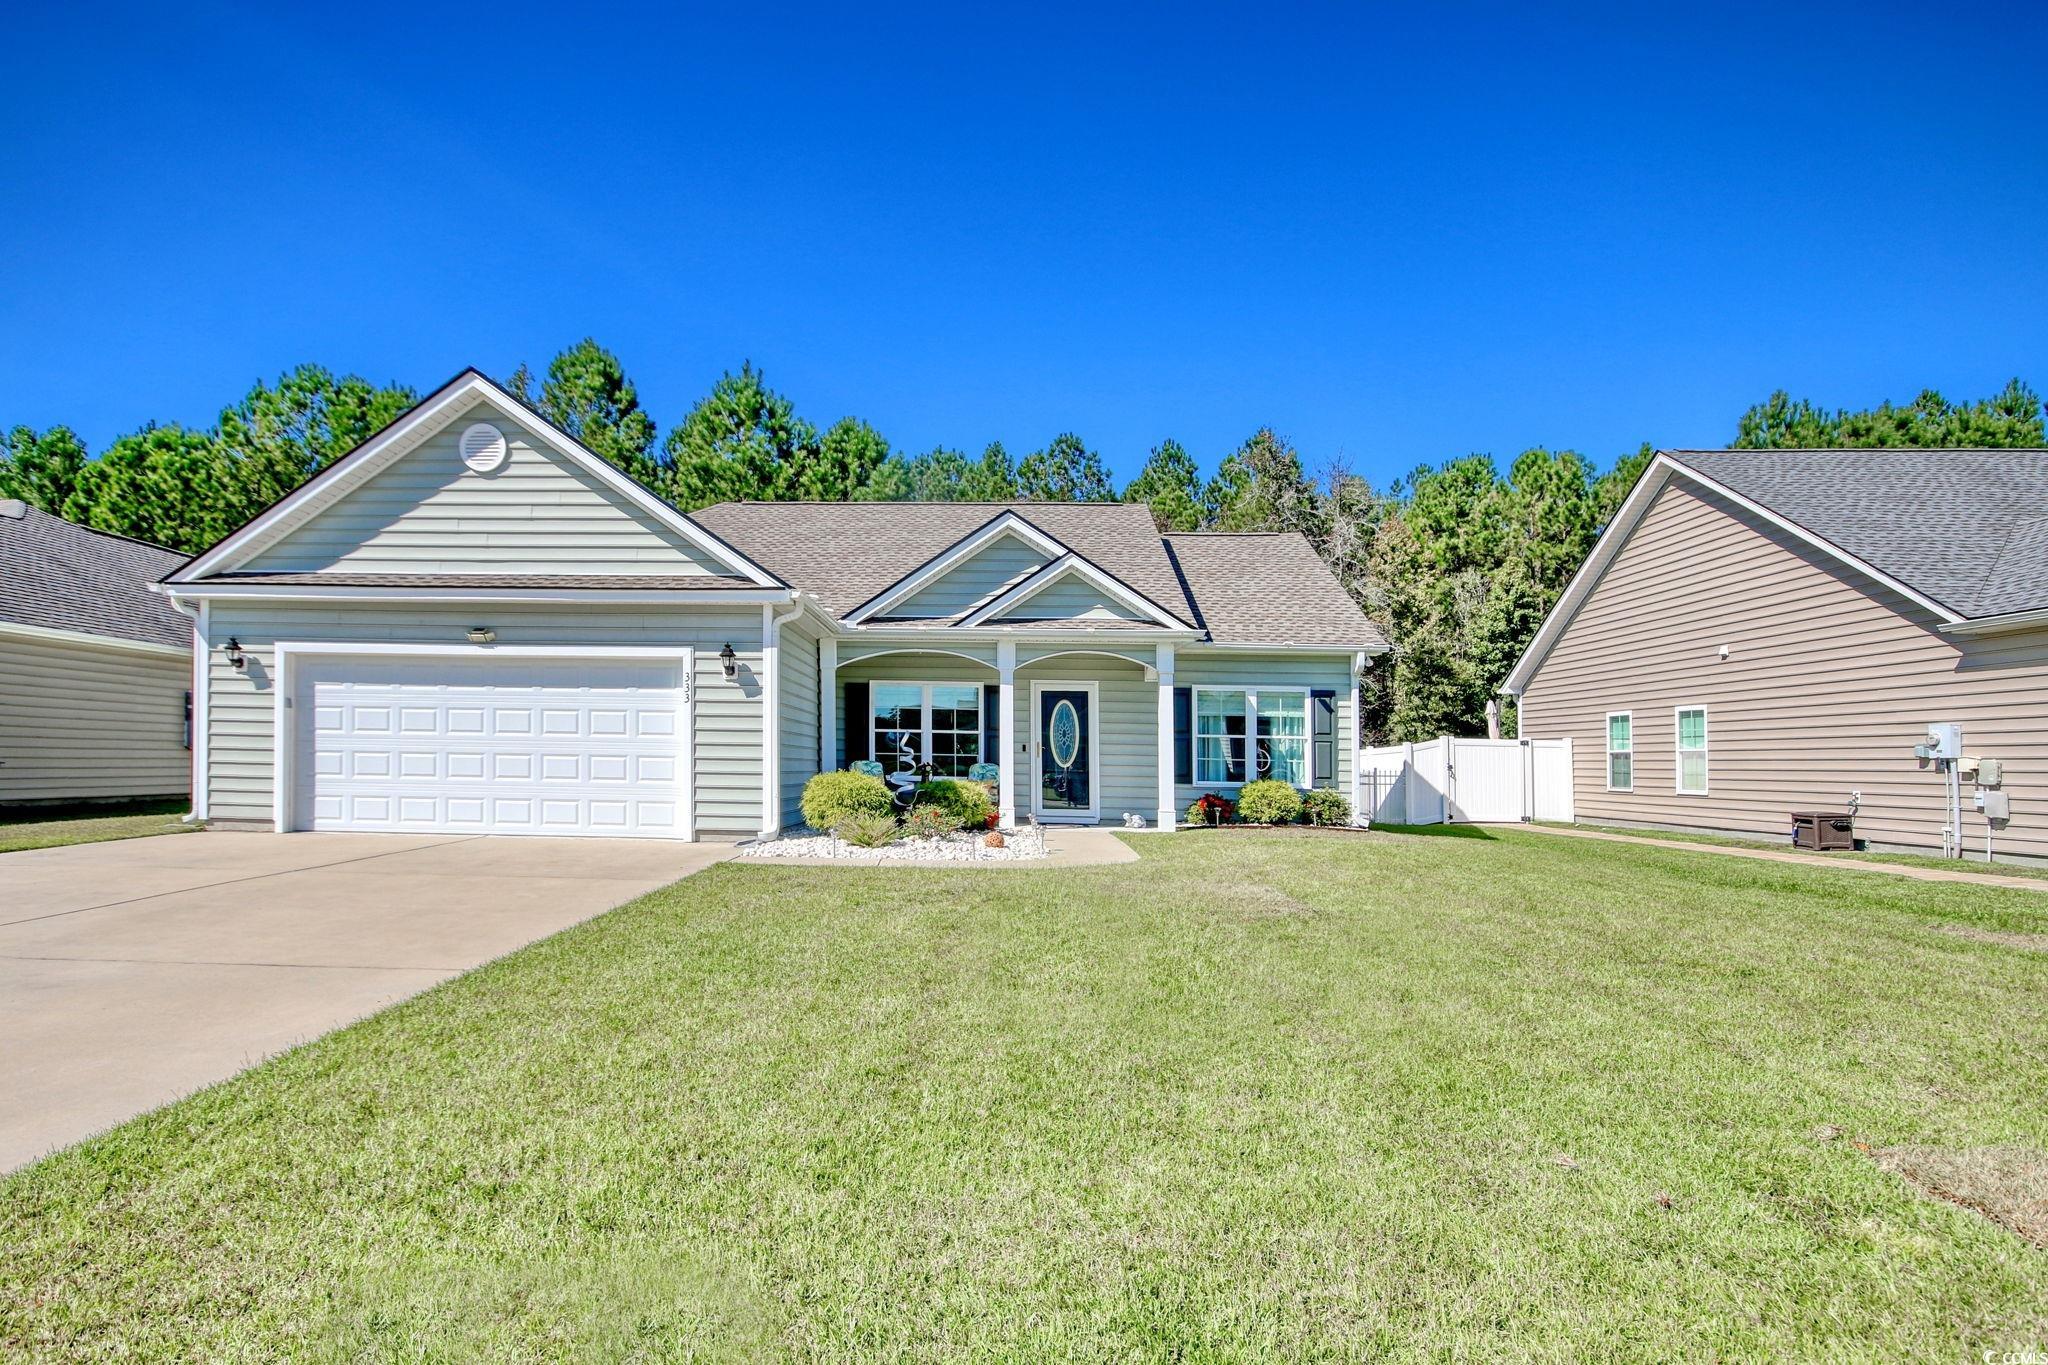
(1254, 589)
(1966, 528)
(64, 577)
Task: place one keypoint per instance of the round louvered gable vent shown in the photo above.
(483, 447)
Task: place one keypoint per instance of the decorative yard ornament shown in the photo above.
(1133, 820)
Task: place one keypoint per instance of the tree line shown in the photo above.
(1456, 562)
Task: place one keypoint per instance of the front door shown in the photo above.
(1063, 762)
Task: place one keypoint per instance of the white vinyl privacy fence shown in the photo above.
(1454, 781)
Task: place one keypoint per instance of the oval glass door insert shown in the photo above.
(1066, 734)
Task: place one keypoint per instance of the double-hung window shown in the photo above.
(1247, 733)
(935, 723)
(1692, 750)
(1621, 751)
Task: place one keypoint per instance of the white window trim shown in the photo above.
(1608, 751)
(1251, 733)
(1678, 753)
(924, 734)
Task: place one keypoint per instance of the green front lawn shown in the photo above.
(1502, 1097)
(1971, 861)
(49, 826)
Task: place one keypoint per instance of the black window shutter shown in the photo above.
(1323, 717)
(991, 736)
(857, 723)
(1184, 735)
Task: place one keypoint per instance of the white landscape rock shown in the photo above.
(1018, 845)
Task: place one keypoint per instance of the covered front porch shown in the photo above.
(1089, 732)
(1075, 733)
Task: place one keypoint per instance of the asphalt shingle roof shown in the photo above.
(1268, 588)
(64, 577)
(1967, 528)
(1242, 589)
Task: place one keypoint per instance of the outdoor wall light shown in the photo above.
(481, 635)
(730, 662)
(235, 654)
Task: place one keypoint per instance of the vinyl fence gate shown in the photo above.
(1459, 781)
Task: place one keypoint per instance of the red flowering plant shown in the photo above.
(1211, 809)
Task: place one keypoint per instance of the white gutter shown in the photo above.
(86, 637)
(771, 713)
(202, 657)
(591, 596)
(1993, 625)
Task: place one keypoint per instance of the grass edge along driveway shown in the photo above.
(1250, 1097)
(27, 827)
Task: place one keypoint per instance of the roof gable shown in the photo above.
(980, 564)
(1070, 589)
(406, 502)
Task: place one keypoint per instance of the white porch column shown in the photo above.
(1006, 730)
(1359, 663)
(1169, 818)
(828, 702)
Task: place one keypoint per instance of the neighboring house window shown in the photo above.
(1275, 719)
(1692, 750)
(1621, 751)
(939, 723)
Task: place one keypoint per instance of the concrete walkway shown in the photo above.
(134, 972)
(1772, 855)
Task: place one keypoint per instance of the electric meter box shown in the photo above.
(1944, 741)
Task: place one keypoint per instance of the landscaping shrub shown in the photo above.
(966, 802)
(867, 830)
(830, 798)
(930, 822)
(1326, 806)
(1269, 802)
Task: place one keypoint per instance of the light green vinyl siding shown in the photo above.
(1002, 563)
(1246, 669)
(81, 722)
(537, 513)
(1126, 734)
(798, 721)
(727, 737)
(1069, 598)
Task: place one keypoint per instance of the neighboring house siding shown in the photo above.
(727, 791)
(1000, 564)
(1831, 680)
(79, 722)
(1240, 668)
(1069, 599)
(799, 719)
(430, 513)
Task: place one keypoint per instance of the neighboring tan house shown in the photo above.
(1767, 631)
(95, 669)
(472, 623)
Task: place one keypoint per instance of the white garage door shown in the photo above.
(495, 745)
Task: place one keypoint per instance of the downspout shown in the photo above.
(771, 711)
(202, 651)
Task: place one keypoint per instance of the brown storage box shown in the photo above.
(1823, 829)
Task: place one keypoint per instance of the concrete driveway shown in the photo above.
(135, 972)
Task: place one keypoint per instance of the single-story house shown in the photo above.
(472, 623)
(1765, 631)
(95, 669)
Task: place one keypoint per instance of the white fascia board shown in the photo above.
(717, 597)
(1072, 564)
(1005, 523)
(1994, 625)
(406, 434)
(1661, 471)
(1353, 651)
(86, 637)
(941, 635)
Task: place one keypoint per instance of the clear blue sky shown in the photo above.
(1395, 238)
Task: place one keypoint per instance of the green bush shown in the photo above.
(930, 822)
(867, 831)
(1268, 802)
(1326, 806)
(966, 802)
(830, 798)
